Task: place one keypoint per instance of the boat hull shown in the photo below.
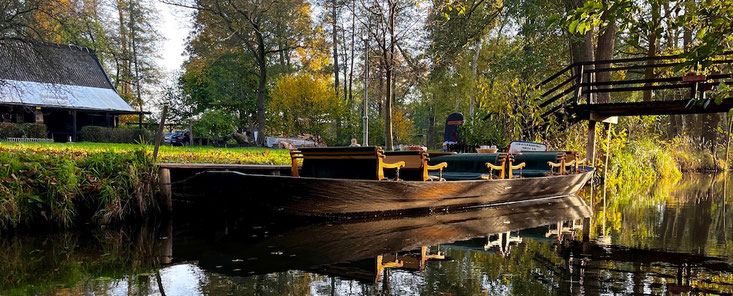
(320, 196)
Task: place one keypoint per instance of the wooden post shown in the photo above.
(73, 126)
(159, 135)
(578, 87)
(727, 142)
(590, 152)
(190, 133)
(164, 180)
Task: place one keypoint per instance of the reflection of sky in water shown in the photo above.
(682, 223)
(183, 280)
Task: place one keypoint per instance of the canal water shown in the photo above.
(672, 237)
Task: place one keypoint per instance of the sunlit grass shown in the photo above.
(178, 154)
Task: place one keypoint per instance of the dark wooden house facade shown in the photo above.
(61, 86)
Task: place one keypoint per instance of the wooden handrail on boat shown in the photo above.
(295, 154)
(492, 167)
(343, 153)
(381, 266)
(503, 159)
(515, 167)
(579, 163)
(417, 167)
(560, 167)
(383, 165)
(438, 167)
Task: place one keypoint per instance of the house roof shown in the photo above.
(53, 75)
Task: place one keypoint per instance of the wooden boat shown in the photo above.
(355, 181)
(340, 247)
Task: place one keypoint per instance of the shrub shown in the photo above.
(115, 135)
(22, 130)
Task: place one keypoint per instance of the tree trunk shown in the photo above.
(581, 47)
(691, 120)
(472, 91)
(133, 38)
(335, 47)
(353, 33)
(125, 71)
(261, 89)
(652, 52)
(606, 47)
(431, 128)
(334, 34)
(388, 136)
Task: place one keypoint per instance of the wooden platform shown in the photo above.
(650, 108)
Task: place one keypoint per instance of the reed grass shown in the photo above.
(61, 185)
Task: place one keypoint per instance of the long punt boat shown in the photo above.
(355, 181)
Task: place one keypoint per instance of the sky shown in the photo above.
(175, 25)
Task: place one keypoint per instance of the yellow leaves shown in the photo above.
(302, 102)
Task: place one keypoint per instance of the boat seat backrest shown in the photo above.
(537, 161)
(341, 162)
(415, 165)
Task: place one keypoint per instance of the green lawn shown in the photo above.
(187, 154)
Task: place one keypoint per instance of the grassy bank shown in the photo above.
(647, 159)
(61, 185)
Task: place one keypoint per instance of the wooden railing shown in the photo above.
(578, 84)
(461, 148)
(36, 140)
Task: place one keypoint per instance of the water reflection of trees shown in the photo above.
(690, 215)
(662, 238)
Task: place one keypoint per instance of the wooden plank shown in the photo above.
(652, 108)
(222, 166)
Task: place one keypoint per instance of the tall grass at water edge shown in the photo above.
(61, 185)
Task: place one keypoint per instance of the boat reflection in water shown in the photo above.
(363, 249)
(548, 247)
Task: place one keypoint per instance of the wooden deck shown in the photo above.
(650, 108)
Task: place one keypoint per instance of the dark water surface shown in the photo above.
(667, 238)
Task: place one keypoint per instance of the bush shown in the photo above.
(22, 130)
(115, 135)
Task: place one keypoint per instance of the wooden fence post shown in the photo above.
(159, 135)
(590, 152)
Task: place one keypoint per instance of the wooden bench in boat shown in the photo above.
(416, 165)
(465, 166)
(570, 163)
(476, 166)
(367, 163)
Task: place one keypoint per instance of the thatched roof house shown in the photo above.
(62, 86)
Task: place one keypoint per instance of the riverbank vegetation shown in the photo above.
(61, 185)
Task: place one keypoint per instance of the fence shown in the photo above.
(35, 140)
(461, 148)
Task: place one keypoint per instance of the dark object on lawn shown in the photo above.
(180, 139)
(451, 128)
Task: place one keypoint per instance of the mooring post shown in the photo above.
(164, 180)
(590, 152)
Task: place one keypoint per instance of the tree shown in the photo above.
(252, 25)
(392, 22)
(223, 79)
(304, 103)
